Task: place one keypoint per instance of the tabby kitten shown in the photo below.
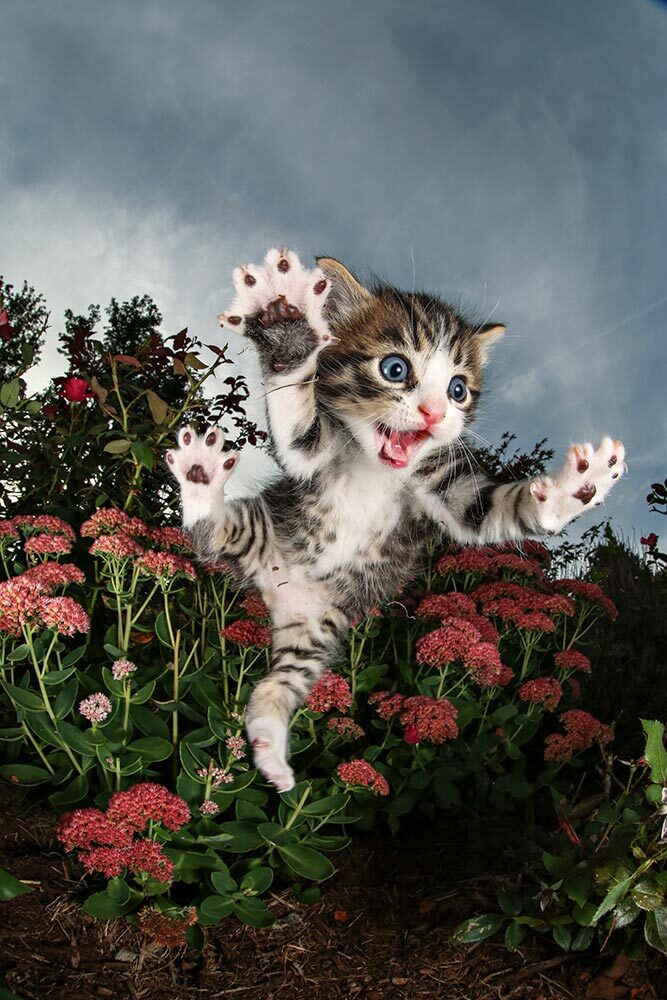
(369, 392)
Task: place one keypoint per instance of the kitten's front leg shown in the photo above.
(279, 306)
(585, 479)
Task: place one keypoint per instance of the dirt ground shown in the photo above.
(380, 931)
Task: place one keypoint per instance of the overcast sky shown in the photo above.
(509, 155)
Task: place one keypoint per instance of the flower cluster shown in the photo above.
(51, 575)
(459, 639)
(522, 606)
(216, 775)
(96, 707)
(489, 561)
(165, 565)
(122, 669)
(47, 545)
(581, 730)
(47, 524)
(432, 719)
(165, 931)
(572, 659)
(360, 773)
(23, 604)
(346, 727)
(247, 632)
(388, 705)
(168, 538)
(330, 691)
(236, 746)
(545, 691)
(108, 842)
(590, 592)
(119, 545)
(109, 521)
(255, 606)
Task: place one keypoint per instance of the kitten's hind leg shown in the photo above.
(300, 652)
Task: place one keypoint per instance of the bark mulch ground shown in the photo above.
(380, 931)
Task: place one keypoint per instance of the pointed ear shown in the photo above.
(347, 295)
(487, 335)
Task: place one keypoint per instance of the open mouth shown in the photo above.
(398, 448)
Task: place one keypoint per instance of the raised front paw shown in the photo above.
(585, 479)
(202, 468)
(279, 292)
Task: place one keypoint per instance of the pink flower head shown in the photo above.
(247, 632)
(209, 808)
(581, 731)
(236, 746)
(170, 538)
(216, 775)
(8, 529)
(360, 773)
(545, 691)
(47, 524)
(388, 705)
(434, 719)
(590, 592)
(108, 521)
(51, 575)
(20, 604)
(448, 643)
(148, 801)
(87, 827)
(483, 661)
(147, 856)
(346, 727)
(572, 659)
(446, 605)
(330, 691)
(255, 606)
(76, 389)
(64, 615)
(96, 707)
(122, 669)
(110, 861)
(165, 565)
(119, 546)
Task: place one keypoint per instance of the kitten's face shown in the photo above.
(406, 373)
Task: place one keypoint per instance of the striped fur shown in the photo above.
(368, 466)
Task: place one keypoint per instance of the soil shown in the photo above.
(380, 932)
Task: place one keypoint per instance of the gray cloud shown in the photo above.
(515, 151)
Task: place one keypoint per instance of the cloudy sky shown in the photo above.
(512, 156)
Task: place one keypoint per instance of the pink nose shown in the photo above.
(432, 413)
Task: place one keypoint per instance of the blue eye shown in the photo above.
(394, 368)
(458, 390)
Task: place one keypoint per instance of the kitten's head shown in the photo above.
(405, 374)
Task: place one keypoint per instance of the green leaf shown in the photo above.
(75, 792)
(161, 630)
(655, 752)
(19, 653)
(26, 699)
(244, 837)
(477, 928)
(10, 393)
(258, 880)
(276, 835)
(514, 935)
(75, 739)
(143, 454)
(159, 409)
(329, 804)
(216, 907)
(647, 895)
(152, 748)
(104, 907)
(223, 883)
(65, 700)
(54, 677)
(118, 890)
(624, 914)
(583, 938)
(117, 447)
(614, 896)
(655, 929)
(563, 937)
(73, 657)
(25, 774)
(254, 912)
(577, 888)
(11, 887)
(143, 694)
(149, 722)
(306, 862)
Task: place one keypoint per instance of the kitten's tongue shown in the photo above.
(396, 447)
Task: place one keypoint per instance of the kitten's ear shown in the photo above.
(487, 335)
(347, 295)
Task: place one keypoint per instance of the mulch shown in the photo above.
(380, 932)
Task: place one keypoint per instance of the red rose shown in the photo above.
(76, 389)
(650, 540)
(6, 328)
(411, 735)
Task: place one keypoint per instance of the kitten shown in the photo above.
(369, 392)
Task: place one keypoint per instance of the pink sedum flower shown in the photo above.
(109, 521)
(146, 801)
(545, 691)
(581, 731)
(64, 615)
(590, 592)
(255, 606)
(433, 719)
(165, 565)
(361, 774)
(119, 546)
(247, 632)
(96, 707)
(122, 669)
(572, 659)
(345, 726)
(51, 575)
(330, 691)
(236, 746)
(388, 705)
(209, 808)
